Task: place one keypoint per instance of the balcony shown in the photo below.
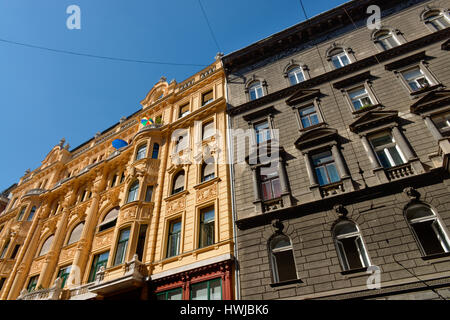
(53, 293)
(399, 172)
(81, 292)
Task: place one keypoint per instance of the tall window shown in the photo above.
(308, 116)
(387, 40)
(178, 182)
(174, 294)
(182, 142)
(32, 283)
(141, 151)
(21, 213)
(174, 237)
(32, 212)
(122, 246)
(109, 220)
(270, 182)
(155, 151)
(207, 290)
(340, 59)
(207, 97)
(416, 79)
(206, 235)
(430, 234)
(282, 259)
(256, 91)
(387, 150)
(46, 246)
(351, 251)
(184, 110)
(2, 281)
(262, 131)
(208, 170)
(325, 168)
(207, 130)
(148, 194)
(360, 98)
(99, 261)
(64, 273)
(76, 233)
(442, 122)
(113, 181)
(15, 250)
(438, 20)
(5, 248)
(296, 75)
(133, 191)
(141, 241)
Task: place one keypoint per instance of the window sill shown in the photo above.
(424, 90)
(365, 109)
(176, 195)
(206, 183)
(353, 271)
(436, 256)
(315, 126)
(285, 283)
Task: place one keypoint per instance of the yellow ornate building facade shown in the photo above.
(150, 219)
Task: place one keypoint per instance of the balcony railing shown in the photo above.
(53, 293)
(332, 189)
(33, 192)
(401, 171)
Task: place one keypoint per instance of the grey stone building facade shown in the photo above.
(356, 186)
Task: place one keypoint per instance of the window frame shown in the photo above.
(385, 147)
(432, 80)
(141, 152)
(208, 289)
(96, 265)
(317, 108)
(325, 166)
(300, 70)
(204, 94)
(208, 224)
(182, 114)
(253, 87)
(432, 15)
(175, 177)
(122, 245)
(136, 187)
(170, 233)
(273, 261)
(166, 292)
(155, 150)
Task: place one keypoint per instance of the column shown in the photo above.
(283, 177)
(400, 139)
(256, 189)
(310, 170)
(372, 157)
(338, 159)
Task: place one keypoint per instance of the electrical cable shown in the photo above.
(209, 25)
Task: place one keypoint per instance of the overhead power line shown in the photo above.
(209, 26)
(98, 56)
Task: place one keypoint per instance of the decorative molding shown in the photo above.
(207, 193)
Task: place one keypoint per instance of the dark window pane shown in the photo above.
(427, 238)
(285, 265)
(351, 253)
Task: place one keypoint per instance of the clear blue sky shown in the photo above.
(45, 96)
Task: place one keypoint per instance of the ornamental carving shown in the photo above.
(103, 240)
(111, 197)
(36, 266)
(67, 254)
(176, 205)
(207, 193)
(7, 267)
(128, 214)
(49, 226)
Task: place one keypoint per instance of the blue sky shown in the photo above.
(45, 96)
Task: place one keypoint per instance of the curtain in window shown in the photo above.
(178, 183)
(133, 192)
(46, 246)
(76, 233)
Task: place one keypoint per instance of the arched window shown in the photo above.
(438, 20)
(282, 259)
(429, 231)
(133, 192)
(208, 170)
(76, 233)
(109, 220)
(46, 246)
(32, 212)
(339, 58)
(350, 247)
(386, 39)
(155, 151)
(141, 151)
(296, 75)
(178, 182)
(255, 90)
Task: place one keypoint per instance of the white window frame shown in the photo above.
(431, 18)
(339, 58)
(385, 149)
(342, 253)
(296, 70)
(276, 277)
(423, 75)
(254, 87)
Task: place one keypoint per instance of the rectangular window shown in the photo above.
(141, 241)
(207, 290)
(174, 294)
(15, 250)
(22, 212)
(99, 261)
(122, 246)
(388, 42)
(262, 131)
(113, 182)
(208, 130)
(440, 22)
(308, 116)
(340, 60)
(174, 237)
(360, 98)
(387, 151)
(442, 122)
(184, 110)
(207, 97)
(206, 235)
(5, 248)
(256, 91)
(148, 194)
(64, 273)
(416, 79)
(32, 283)
(325, 168)
(122, 177)
(270, 183)
(2, 281)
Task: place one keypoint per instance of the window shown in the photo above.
(208, 170)
(133, 192)
(442, 122)
(296, 75)
(208, 130)
(32, 283)
(325, 168)
(13, 203)
(122, 246)
(350, 247)
(158, 119)
(360, 98)
(184, 111)
(122, 177)
(255, 91)
(416, 79)
(174, 294)
(155, 151)
(141, 241)
(438, 20)
(76, 233)
(386, 40)
(141, 152)
(32, 212)
(99, 261)
(178, 182)
(46, 246)
(270, 182)
(430, 234)
(182, 142)
(174, 237)
(15, 250)
(5, 248)
(206, 234)
(282, 259)
(63, 274)
(207, 290)
(207, 97)
(113, 181)
(2, 282)
(109, 220)
(308, 116)
(262, 131)
(340, 59)
(148, 194)
(21, 213)
(387, 151)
